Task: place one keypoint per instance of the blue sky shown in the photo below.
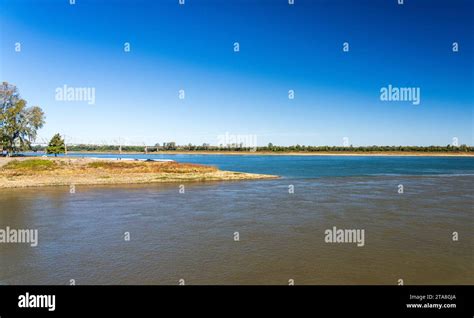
(282, 47)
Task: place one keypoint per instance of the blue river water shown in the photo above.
(317, 166)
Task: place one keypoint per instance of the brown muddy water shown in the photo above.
(191, 235)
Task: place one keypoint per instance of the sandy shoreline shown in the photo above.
(262, 153)
(89, 171)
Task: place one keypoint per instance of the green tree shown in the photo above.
(18, 124)
(56, 145)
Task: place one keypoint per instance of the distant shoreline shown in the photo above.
(267, 153)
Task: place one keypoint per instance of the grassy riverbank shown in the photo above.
(28, 172)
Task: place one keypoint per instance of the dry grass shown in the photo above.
(32, 165)
(27, 172)
(151, 167)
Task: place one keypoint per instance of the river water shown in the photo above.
(281, 233)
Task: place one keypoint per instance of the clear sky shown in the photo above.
(282, 48)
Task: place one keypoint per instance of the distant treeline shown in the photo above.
(269, 148)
